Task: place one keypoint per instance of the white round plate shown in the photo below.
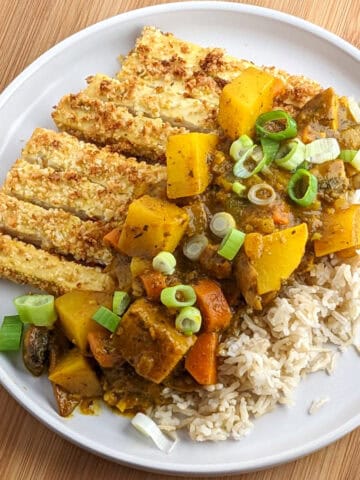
(261, 35)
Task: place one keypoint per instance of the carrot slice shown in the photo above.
(280, 214)
(154, 283)
(103, 351)
(200, 362)
(215, 310)
(112, 238)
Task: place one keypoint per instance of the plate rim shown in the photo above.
(55, 424)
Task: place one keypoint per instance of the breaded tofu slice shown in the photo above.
(66, 190)
(160, 59)
(106, 123)
(55, 230)
(142, 97)
(63, 152)
(23, 263)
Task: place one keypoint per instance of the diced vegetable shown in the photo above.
(213, 305)
(152, 225)
(281, 213)
(200, 362)
(75, 310)
(178, 296)
(154, 283)
(340, 231)
(75, 375)
(36, 349)
(231, 244)
(121, 301)
(164, 262)
(243, 100)
(188, 321)
(10, 333)
(112, 238)
(149, 341)
(187, 163)
(265, 128)
(275, 256)
(36, 309)
(65, 401)
(106, 318)
(103, 349)
(139, 265)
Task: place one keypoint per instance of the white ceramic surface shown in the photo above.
(263, 36)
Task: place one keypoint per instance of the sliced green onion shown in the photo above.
(354, 109)
(240, 146)
(178, 296)
(164, 262)
(231, 244)
(238, 188)
(262, 131)
(322, 150)
(188, 320)
(36, 309)
(255, 155)
(270, 148)
(303, 181)
(121, 301)
(195, 246)
(221, 223)
(267, 192)
(291, 154)
(10, 333)
(106, 318)
(146, 426)
(352, 157)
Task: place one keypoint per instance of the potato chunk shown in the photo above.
(243, 100)
(186, 160)
(148, 340)
(75, 310)
(341, 230)
(74, 374)
(152, 225)
(275, 256)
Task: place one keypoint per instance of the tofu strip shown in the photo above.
(106, 123)
(196, 72)
(25, 264)
(63, 152)
(55, 230)
(147, 98)
(68, 191)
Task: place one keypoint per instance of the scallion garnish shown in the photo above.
(255, 157)
(106, 318)
(195, 246)
(302, 187)
(240, 146)
(36, 309)
(121, 301)
(261, 194)
(238, 188)
(164, 262)
(188, 321)
(231, 244)
(322, 150)
(352, 157)
(270, 148)
(265, 128)
(221, 223)
(10, 333)
(291, 154)
(178, 296)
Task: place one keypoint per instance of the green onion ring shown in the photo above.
(106, 318)
(240, 146)
(256, 154)
(231, 244)
(10, 333)
(270, 148)
(188, 321)
(36, 309)
(121, 301)
(311, 191)
(164, 262)
(178, 296)
(289, 131)
(291, 154)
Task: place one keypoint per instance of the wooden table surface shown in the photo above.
(28, 450)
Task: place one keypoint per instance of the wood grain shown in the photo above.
(28, 450)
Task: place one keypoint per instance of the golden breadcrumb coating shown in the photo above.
(25, 264)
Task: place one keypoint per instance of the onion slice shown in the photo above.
(145, 425)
